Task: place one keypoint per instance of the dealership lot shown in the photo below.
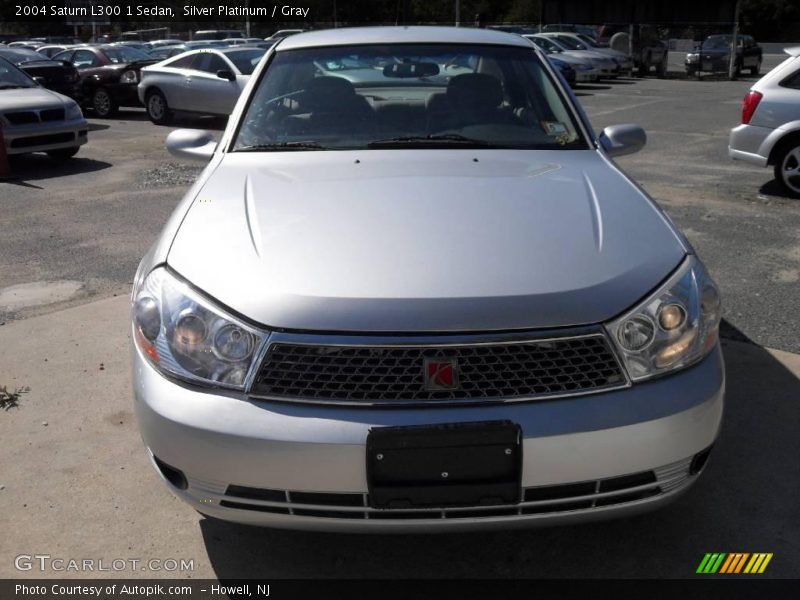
(89, 221)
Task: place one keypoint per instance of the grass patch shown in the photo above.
(11, 399)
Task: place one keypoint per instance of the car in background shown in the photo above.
(159, 43)
(52, 50)
(585, 71)
(646, 47)
(164, 52)
(35, 119)
(565, 69)
(131, 44)
(204, 82)
(769, 134)
(584, 30)
(713, 55)
(242, 41)
(108, 76)
(217, 34)
(605, 65)
(26, 44)
(573, 42)
(52, 73)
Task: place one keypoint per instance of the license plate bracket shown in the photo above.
(454, 464)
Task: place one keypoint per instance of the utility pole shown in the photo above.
(458, 13)
(247, 17)
(734, 42)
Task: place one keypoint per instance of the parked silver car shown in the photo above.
(575, 41)
(585, 69)
(421, 303)
(605, 65)
(35, 119)
(769, 134)
(205, 81)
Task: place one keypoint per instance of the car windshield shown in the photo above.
(246, 60)
(570, 43)
(11, 77)
(409, 95)
(714, 43)
(21, 55)
(124, 54)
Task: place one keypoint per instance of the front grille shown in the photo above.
(370, 374)
(42, 140)
(587, 495)
(54, 114)
(24, 117)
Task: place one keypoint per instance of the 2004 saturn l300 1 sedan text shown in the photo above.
(408, 296)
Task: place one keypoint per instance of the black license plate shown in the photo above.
(455, 464)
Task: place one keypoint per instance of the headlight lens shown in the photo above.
(184, 334)
(129, 77)
(73, 111)
(673, 328)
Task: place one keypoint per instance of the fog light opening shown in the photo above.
(171, 474)
(699, 461)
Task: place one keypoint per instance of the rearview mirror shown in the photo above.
(226, 74)
(191, 144)
(619, 140)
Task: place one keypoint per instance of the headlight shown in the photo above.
(73, 112)
(129, 77)
(674, 328)
(692, 58)
(183, 334)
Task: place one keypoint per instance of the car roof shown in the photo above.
(400, 35)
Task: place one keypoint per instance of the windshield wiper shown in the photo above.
(443, 140)
(280, 146)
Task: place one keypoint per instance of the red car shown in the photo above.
(108, 76)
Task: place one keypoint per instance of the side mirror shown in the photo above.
(619, 140)
(191, 144)
(226, 74)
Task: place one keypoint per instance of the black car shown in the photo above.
(108, 75)
(713, 55)
(51, 73)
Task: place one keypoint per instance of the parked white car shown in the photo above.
(769, 134)
(205, 81)
(35, 119)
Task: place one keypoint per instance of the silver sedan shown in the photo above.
(206, 81)
(34, 119)
(420, 302)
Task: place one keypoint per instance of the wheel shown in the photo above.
(787, 168)
(63, 153)
(103, 103)
(757, 69)
(661, 69)
(157, 108)
(644, 67)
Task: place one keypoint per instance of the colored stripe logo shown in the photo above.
(734, 563)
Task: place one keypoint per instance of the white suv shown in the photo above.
(770, 131)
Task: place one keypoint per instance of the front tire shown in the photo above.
(103, 103)
(157, 108)
(63, 153)
(787, 168)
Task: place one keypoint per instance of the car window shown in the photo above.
(118, 55)
(211, 63)
(184, 62)
(570, 43)
(84, 59)
(546, 44)
(66, 55)
(373, 96)
(792, 81)
(11, 77)
(246, 60)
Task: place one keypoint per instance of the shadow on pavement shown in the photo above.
(773, 188)
(746, 501)
(36, 167)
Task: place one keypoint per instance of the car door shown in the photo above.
(216, 94)
(175, 80)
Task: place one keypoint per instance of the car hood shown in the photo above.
(30, 98)
(423, 240)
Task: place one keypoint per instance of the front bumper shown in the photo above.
(41, 137)
(586, 76)
(304, 467)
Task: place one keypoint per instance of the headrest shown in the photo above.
(475, 91)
